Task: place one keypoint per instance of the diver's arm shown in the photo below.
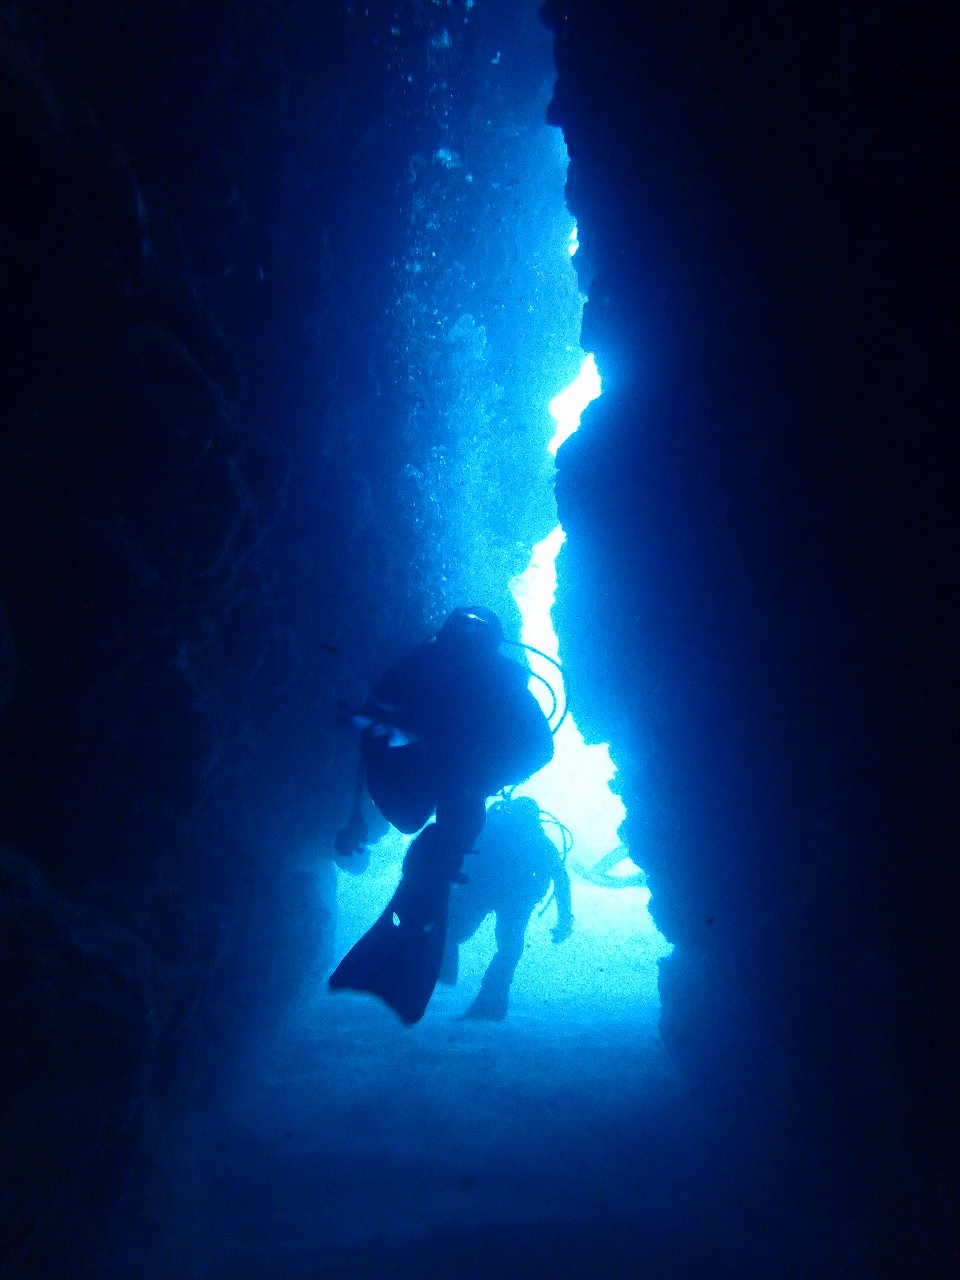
(561, 887)
(401, 690)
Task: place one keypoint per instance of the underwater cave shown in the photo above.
(634, 323)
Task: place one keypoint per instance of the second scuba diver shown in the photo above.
(515, 864)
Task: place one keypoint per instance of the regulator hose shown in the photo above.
(519, 644)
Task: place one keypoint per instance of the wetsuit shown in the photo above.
(475, 728)
(512, 870)
(448, 725)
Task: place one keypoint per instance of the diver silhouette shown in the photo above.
(446, 727)
(515, 864)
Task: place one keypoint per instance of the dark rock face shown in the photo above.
(163, 748)
(230, 492)
(81, 1030)
(761, 569)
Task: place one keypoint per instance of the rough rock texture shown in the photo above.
(144, 665)
(170, 763)
(81, 1035)
(761, 570)
(241, 425)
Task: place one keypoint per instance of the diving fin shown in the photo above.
(398, 959)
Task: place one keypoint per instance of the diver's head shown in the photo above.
(518, 811)
(525, 809)
(473, 626)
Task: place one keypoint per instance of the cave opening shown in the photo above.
(486, 194)
(452, 1126)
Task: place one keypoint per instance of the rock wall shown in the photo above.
(159, 781)
(760, 574)
(180, 602)
(245, 395)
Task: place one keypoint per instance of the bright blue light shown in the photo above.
(609, 961)
(611, 956)
(567, 408)
(576, 785)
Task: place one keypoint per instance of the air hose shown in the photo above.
(519, 644)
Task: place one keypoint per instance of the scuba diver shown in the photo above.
(515, 864)
(446, 727)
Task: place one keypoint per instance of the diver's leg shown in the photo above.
(424, 890)
(461, 814)
(463, 922)
(494, 995)
(450, 964)
(399, 957)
